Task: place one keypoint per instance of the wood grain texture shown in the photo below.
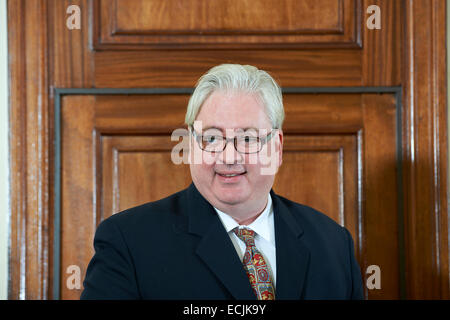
(102, 174)
(226, 16)
(381, 57)
(29, 257)
(138, 169)
(409, 51)
(237, 24)
(106, 170)
(305, 68)
(69, 50)
(161, 113)
(78, 187)
(315, 113)
(371, 188)
(319, 163)
(425, 151)
(381, 193)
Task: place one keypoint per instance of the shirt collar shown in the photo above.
(261, 225)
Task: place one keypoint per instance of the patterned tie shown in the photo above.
(255, 266)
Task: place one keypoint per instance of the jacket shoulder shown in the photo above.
(150, 213)
(331, 250)
(313, 222)
(303, 211)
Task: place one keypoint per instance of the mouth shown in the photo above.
(230, 177)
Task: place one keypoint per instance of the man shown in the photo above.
(228, 235)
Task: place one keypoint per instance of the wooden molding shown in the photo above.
(425, 150)
(29, 141)
(107, 35)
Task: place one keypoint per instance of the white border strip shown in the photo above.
(4, 152)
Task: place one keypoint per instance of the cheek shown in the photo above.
(201, 165)
(269, 159)
(201, 174)
(207, 164)
(199, 158)
(253, 167)
(265, 167)
(252, 160)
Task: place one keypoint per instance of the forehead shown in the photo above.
(226, 110)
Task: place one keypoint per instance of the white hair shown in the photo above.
(238, 78)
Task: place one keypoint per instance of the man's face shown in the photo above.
(229, 114)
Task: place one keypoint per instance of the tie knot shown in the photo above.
(246, 235)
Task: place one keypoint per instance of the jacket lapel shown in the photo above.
(292, 255)
(218, 253)
(215, 247)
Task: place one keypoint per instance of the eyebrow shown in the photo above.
(221, 129)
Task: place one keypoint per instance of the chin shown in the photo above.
(231, 197)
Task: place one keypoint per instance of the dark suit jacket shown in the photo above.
(177, 248)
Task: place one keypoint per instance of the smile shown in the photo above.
(231, 175)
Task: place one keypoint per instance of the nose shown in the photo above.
(230, 155)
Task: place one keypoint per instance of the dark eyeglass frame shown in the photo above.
(262, 140)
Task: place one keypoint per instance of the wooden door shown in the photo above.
(365, 129)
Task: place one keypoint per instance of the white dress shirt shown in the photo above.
(264, 236)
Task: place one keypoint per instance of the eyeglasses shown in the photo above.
(246, 143)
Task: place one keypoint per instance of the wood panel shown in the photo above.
(227, 16)
(319, 164)
(114, 118)
(381, 194)
(136, 169)
(306, 68)
(108, 164)
(409, 50)
(316, 114)
(377, 63)
(383, 48)
(72, 60)
(127, 165)
(238, 24)
(79, 201)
